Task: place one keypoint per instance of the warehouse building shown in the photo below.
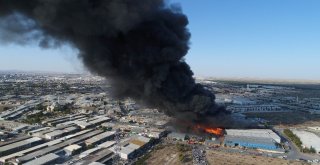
(107, 144)
(18, 146)
(44, 160)
(57, 147)
(72, 149)
(250, 142)
(308, 139)
(135, 146)
(40, 147)
(109, 135)
(258, 133)
(262, 139)
(54, 134)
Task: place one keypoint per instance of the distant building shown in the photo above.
(254, 108)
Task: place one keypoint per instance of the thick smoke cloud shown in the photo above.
(137, 44)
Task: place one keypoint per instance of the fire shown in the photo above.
(215, 131)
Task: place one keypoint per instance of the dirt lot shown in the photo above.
(223, 158)
(170, 155)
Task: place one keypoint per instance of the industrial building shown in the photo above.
(133, 147)
(250, 142)
(59, 146)
(44, 160)
(100, 156)
(72, 149)
(100, 138)
(94, 122)
(262, 139)
(258, 133)
(41, 146)
(254, 108)
(107, 144)
(14, 147)
(308, 139)
(54, 134)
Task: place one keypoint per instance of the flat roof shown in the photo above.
(55, 133)
(19, 144)
(14, 140)
(43, 159)
(88, 152)
(258, 133)
(308, 139)
(50, 143)
(96, 163)
(58, 146)
(107, 144)
(101, 136)
(72, 147)
(267, 141)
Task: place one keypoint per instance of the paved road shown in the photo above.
(294, 153)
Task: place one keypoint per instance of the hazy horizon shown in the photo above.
(230, 39)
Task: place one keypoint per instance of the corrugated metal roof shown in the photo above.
(259, 133)
(72, 147)
(43, 159)
(19, 144)
(107, 144)
(100, 137)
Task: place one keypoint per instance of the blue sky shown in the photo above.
(230, 38)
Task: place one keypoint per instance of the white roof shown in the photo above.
(100, 136)
(55, 133)
(43, 160)
(72, 147)
(126, 150)
(133, 146)
(257, 133)
(107, 144)
(142, 138)
(96, 163)
(308, 139)
(88, 152)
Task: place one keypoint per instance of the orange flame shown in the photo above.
(215, 131)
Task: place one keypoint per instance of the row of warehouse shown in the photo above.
(14, 113)
(38, 150)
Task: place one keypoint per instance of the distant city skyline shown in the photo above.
(230, 39)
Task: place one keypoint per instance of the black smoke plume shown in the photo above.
(137, 44)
